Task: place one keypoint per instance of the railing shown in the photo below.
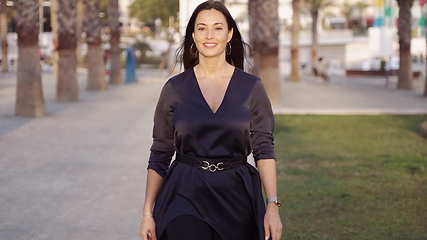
(323, 34)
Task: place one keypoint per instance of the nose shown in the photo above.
(209, 34)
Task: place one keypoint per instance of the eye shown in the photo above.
(218, 28)
(200, 28)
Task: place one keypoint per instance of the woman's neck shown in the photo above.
(212, 68)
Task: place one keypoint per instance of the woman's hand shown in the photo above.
(272, 223)
(148, 228)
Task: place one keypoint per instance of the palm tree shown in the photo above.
(264, 38)
(315, 6)
(113, 17)
(296, 7)
(346, 11)
(29, 93)
(63, 14)
(425, 83)
(95, 59)
(79, 30)
(404, 31)
(3, 29)
(361, 6)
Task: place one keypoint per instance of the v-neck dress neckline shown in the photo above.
(223, 98)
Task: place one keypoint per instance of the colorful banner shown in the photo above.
(422, 22)
(387, 11)
(379, 3)
(378, 22)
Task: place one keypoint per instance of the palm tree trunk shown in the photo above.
(264, 38)
(95, 59)
(405, 35)
(425, 86)
(294, 41)
(29, 93)
(41, 16)
(63, 14)
(79, 30)
(3, 29)
(113, 14)
(425, 80)
(314, 38)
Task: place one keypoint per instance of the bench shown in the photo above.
(377, 73)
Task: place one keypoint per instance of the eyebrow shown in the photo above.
(218, 23)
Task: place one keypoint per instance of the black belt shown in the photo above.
(211, 164)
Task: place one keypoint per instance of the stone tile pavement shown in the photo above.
(79, 172)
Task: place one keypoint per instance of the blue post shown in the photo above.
(130, 65)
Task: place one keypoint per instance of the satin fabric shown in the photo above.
(231, 200)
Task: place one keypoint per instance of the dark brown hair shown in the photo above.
(237, 55)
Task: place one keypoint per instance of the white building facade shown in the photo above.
(341, 46)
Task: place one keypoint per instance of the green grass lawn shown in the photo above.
(352, 177)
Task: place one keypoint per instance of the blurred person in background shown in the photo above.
(322, 70)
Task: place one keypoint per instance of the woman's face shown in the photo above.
(211, 33)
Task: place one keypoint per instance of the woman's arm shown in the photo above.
(161, 153)
(267, 172)
(262, 127)
(154, 180)
(148, 226)
(272, 222)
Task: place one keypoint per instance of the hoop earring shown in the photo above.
(196, 52)
(228, 48)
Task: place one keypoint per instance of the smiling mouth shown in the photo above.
(209, 45)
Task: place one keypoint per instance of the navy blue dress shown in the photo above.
(231, 200)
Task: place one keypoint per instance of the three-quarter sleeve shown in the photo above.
(162, 148)
(262, 124)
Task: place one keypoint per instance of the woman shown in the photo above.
(212, 116)
(322, 70)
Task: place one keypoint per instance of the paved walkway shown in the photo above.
(79, 172)
(352, 96)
